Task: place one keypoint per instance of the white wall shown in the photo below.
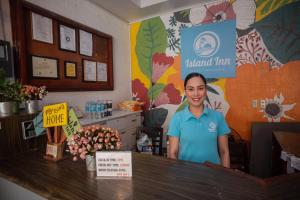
(89, 14)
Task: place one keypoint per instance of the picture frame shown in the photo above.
(67, 38)
(89, 70)
(42, 28)
(85, 43)
(3, 51)
(100, 48)
(101, 71)
(5, 58)
(70, 69)
(28, 129)
(44, 67)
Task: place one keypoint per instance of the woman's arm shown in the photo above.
(224, 150)
(173, 147)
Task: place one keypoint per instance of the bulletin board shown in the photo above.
(59, 53)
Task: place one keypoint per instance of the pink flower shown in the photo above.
(160, 63)
(82, 156)
(88, 140)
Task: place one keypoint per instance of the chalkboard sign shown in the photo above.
(28, 129)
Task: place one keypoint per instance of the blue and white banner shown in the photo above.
(209, 49)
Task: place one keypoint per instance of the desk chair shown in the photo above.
(156, 135)
(238, 150)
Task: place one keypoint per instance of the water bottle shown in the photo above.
(109, 107)
(87, 108)
(102, 109)
(93, 109)
(105, 108)
(98, 109)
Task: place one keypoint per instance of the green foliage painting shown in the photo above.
(151, 39)
(280, 31)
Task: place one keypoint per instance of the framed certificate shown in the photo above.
(85, 43)
(67, 36)
(89, 70)
(70, 69)
(101, 71)
(41, 28)
(42, 67)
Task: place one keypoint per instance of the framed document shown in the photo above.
(70, 69)
(101, 71)
(85, 43)
(67, 37)
(41, 28)
(43, 67)
(89, 70)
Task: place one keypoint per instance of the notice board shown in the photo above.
(59, 53)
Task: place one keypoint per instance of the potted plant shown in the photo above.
(31, 95)
(10, 95)
(86, 141)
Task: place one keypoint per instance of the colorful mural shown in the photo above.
(267, 57)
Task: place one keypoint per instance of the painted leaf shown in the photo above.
(182, 105)
(151, 39)
(155, 90)
(265, 7)
(183, 16)
(280, 32)
(211, 89)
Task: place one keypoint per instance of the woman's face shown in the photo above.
(195, 91)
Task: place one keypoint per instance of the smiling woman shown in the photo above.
(197, 133)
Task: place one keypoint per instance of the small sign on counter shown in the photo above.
(114, 164)
(72, 125)
(55, 115)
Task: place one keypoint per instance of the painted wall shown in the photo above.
(93, 16)
(267, 56)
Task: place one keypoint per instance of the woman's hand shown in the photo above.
(224, 150)
(173, 147)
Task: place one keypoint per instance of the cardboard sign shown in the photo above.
(73, 123)
(54, 150)
(55, 115)
(114, 164)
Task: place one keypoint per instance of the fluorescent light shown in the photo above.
(145, 3)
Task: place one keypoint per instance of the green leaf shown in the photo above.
(183, 16)
(269, 6)
(155, 90)
(211, 80)
(151, 39)
(280, 32)
(211, 89)
(182, 105)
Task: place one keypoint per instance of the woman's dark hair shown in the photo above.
(192, 75)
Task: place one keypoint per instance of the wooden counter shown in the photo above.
(153, 178)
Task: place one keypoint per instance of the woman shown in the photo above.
(197, 133)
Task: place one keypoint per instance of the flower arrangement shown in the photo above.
(88, 140)
(30, 92)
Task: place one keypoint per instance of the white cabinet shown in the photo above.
(126, 122)
(128, 126)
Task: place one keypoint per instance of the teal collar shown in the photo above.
(188, 114)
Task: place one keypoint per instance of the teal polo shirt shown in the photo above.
(198, 137)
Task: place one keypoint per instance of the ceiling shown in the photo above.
(130, 12)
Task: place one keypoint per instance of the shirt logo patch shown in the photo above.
(212, 127)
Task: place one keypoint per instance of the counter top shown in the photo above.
(154, 177)
(115, 114)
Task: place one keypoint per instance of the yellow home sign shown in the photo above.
(55, 115)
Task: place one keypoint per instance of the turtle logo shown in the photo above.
(206, 44)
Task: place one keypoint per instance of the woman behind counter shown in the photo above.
(198, 133)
